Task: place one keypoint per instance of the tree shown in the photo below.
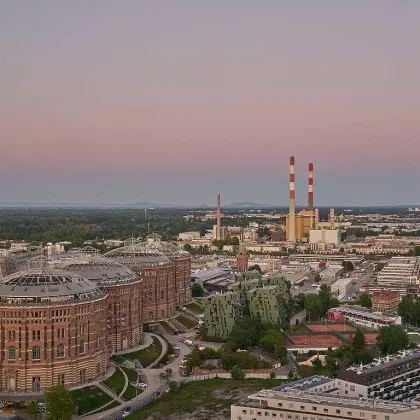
(317, 364)
(281, 352)
(417, 251)
(348, 266)
(255, 267)
(173, 386)
(237, 373)
(313, 306)
(168, 372)
(197, 290)
(270, 340)
(325, 296)
(358, 342)
(59, 403)
(391, 339)
(365, 300)
(330, 365)
(334, 303)
(317, 278)
(34, 411)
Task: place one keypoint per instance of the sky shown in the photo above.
(171, 101)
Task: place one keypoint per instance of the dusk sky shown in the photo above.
(171, 101)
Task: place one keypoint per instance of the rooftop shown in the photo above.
(303, 384)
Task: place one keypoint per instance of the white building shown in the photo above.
(188, 236)
(317, 398)
(341, 287)
(332, 272)
(324, 236)
(400, 271)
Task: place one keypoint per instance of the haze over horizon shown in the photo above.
(120, 102)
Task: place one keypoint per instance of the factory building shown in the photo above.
(317, 398)
(299, 225)
(52, 332)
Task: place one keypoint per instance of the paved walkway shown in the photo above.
(147, 341)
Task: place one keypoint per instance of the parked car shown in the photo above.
(126, 412)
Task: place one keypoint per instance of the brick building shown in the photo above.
(385, 301)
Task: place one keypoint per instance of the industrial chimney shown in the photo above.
(292, 203)
(218, 236)
(311, 187)
(332, 218)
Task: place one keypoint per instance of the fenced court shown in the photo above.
(319, 339)
(329, 327)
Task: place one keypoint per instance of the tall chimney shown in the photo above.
(332, 218)
(292, 203)
(311, 187)
(218, 217)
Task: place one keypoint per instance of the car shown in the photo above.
(142, 385)
(125, 412)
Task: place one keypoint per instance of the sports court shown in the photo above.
(325, 339)
(329, 327)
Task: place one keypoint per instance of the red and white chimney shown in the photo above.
(311, 187)
(292, 202)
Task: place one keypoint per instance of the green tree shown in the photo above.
(331, 365)
(34, 411)
(237, 373)
(255, 267)
(348, 266)
(197, 290)
(301, 300)
(325, 296)
(270, 340)
(59, 403)
(391, 339)
(358, 341)
(417, 251)
(173, 386)
(281, 352)
(313, 306)
(334, 303)
(317, 364)
(365, 300)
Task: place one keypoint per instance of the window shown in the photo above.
(337, 411)
(349, 413)
(82, 346)
(162, 294)
(36, 335)
(12, 353)
(362, 414)
(373, 416)
(243, 411)
(36, 383)
(97, 342)
(12, 335)
(386, 417)
(60, 350)
(36, 353)
(83, 376)
(60, 380)
(325, 410)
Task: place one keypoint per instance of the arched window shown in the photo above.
(12, 353)
(36, 353)
(82, 347)
(60, 350)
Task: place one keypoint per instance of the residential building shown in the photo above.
(385, 301)
(317, 398)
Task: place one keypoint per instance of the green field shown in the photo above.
(186, 321)
(89, 398)
(202, 400)
(148, 355)
(131, 391)
(116, 382)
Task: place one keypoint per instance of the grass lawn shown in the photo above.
(116, 381)
(202, 400)
(186, 321)
(195, 308)
(130, 392)
(148, 355)
(89, 398)
(168, 329)
(108, 407)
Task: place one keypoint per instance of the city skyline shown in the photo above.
(109, 104)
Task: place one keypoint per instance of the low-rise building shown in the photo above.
(341, 287)
(331, 273)
(385, 301)
(400, 272)
(361, 316)
(188, 236)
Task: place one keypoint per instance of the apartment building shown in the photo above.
(319, 398)
(394, 378)
(385, 301)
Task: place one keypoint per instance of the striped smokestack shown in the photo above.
(218, 217)
(292, 202)
(311, 187)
